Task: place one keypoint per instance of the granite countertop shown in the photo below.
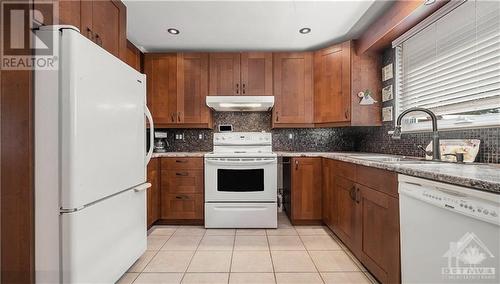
(178, 154)
(485, 177)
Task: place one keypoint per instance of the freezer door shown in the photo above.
(102, 120)
(100, 242)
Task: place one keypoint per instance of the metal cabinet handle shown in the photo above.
(277, 117)
(98, 40)
(180, 161)
(172, 117)
(237, 88)
(358, 195)
(182, 197)
(90, 34)
(182, 174)
(243, 89)
(352, 193)
(346, 114)
(179, 117)
(296, 164)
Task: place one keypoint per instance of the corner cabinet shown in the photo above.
(305, 195)
(241, 74)
(339, 75)
(293, 90)
(176, 89)
(364, 213)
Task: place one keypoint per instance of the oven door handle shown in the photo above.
(240, 163)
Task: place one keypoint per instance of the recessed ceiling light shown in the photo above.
(173, 31)
(305, 30)
(429, 2)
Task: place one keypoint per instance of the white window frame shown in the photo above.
(483, 121)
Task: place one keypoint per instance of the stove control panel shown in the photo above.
(243, 138)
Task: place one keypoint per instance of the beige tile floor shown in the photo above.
(289, 254)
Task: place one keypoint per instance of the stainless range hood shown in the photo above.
(240, 103)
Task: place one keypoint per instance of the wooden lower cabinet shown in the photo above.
(305, 191)
(363, 211)
(182, 187)
(153, 193)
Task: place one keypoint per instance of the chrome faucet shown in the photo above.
(436, 153)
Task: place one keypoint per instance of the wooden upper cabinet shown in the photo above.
(306, 190)
(339, 75)
(332, 100)
(256, 74)
(192, 88)
(102, 21)
(293, 90)
(224, 74)
(161, 77)
(133, 56)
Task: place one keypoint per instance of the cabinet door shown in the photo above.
(133, 57)
(224, 74)
(256, 74)
(306, 189)
(293, 89)
(379, 243)
(70, 13)
(160, 71)
(182, 206)
(347, 211)
(192, 88)
(105, 23)
(153, 194)
(332, 99)
(329, 206)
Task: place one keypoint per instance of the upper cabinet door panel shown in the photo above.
(160, 72)
(332, 98)
(293, 88)
(256, 74)
(224, 74)
(192, 87)
(104, 22)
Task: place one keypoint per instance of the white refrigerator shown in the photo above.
(90, 162)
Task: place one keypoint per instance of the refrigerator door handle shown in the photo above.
(151, 134)
(142, 187)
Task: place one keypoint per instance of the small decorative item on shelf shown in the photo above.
(366, 98)
(469, 147)
(387, 93)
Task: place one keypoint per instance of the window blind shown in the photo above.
(452, 67)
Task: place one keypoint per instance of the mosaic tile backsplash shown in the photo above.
(358, 139)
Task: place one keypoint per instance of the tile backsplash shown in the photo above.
(359, 139)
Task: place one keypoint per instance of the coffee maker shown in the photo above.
(161, 142)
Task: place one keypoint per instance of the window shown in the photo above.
(452, 67)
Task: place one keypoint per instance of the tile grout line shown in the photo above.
(194, 253)
(271, 255)
(155, 254)
(310, 257)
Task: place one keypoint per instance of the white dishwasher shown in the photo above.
(449, 234)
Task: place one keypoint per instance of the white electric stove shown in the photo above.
(241, 181)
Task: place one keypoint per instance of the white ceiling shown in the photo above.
(247, 25)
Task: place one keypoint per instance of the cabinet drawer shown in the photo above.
(381, 180)
(182, 181)
(345, 170)
(182, 206)
(182, 163)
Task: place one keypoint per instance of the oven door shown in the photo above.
(240, 179)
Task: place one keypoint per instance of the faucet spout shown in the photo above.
(436, 153)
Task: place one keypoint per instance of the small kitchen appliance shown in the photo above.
(241, 181)
(161, 142)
